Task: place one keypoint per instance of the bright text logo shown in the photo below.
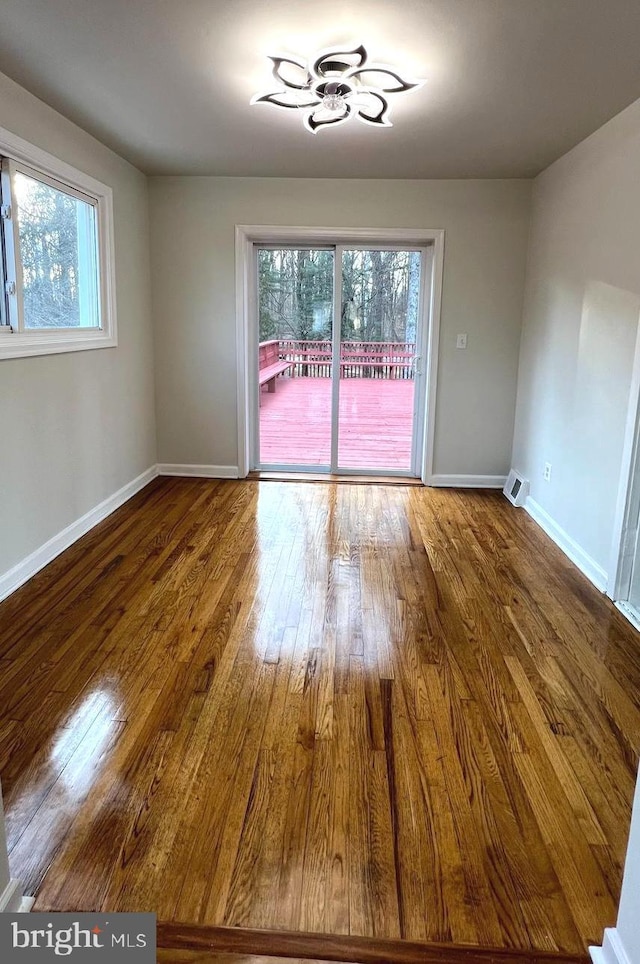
(120, 938)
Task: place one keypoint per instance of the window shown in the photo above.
(57, 255)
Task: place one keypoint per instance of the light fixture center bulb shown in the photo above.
(333, 102)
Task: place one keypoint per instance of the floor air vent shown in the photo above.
(516, 488)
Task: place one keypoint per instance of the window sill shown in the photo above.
(23, 345)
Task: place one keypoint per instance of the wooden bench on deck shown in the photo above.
(270, 365)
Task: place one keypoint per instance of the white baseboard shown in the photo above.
(199, 471)
(468, 481)
(12, 901)
(563, 540)
(612, 950)
(24, 570)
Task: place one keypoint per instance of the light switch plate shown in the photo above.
(461, 341)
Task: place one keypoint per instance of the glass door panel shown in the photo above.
(379, 321)
(295, 317)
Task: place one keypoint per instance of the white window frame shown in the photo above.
(17, 342)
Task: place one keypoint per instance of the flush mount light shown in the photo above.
(336, 85)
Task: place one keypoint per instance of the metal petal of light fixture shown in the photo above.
(372, 108)
(321, 117)
(285, 68)
(382, 75)
(338, 84)
(339, 61)
(288, 98)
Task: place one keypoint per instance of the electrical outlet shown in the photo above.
(546, 475)
(461, 341)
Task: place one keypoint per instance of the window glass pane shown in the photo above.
(58, 254)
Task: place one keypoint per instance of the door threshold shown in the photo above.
(629, 612)
(330, 477)
(204, 942)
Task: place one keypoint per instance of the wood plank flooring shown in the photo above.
(369, 710)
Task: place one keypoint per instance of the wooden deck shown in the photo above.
(375, 423)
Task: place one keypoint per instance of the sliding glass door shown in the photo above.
(380, 305)
(295, 326)
(337, 373)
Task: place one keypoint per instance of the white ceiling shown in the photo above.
(511, 84)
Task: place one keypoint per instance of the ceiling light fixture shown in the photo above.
(336, 85)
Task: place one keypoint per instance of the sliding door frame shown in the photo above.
(248, 236)
(626, 529)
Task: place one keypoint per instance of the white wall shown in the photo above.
(582, 308)
(76, 427)
(629, 911)
(11, 898)
(5, 876)
(192, 258)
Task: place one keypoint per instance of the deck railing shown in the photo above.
(358, 359)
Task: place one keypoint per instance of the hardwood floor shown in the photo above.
(369, 710)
